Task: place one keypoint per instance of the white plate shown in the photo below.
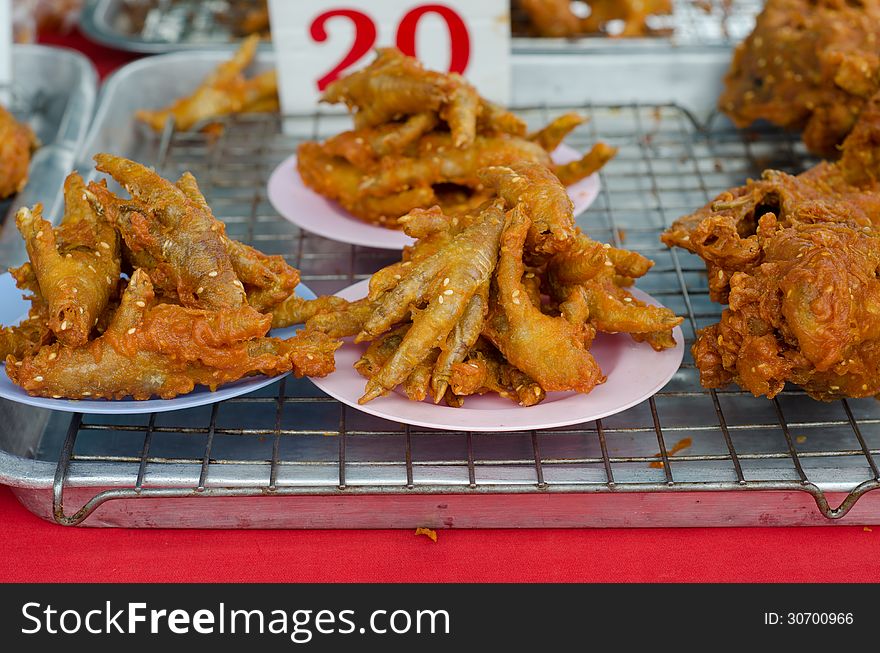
(13, 307)
(634, 370)
(306, 209)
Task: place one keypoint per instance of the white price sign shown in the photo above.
(318, 41)
(5, 44)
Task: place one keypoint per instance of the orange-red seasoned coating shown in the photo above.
(809, 65)
(796, 259)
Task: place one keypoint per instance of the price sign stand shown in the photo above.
(317, 41)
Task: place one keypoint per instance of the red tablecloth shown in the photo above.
(34, 550)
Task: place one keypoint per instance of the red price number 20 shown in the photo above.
(366, 33)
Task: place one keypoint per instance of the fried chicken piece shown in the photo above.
(807, 314)
(342, 321)
(485, 370)
(550, 350)
(268, 280)
(17, 143)
(555, 18)
(338, 180)
(722, 233)
(796, 258)
(809, 65)
(438, 162)
(165, 350)
(395, 85)
(33, 332)
(173, 237)
(224, 92)
(76, 264)
(552, 226)
(420, 140)
(446, 282)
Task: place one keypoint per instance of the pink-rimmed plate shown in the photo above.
(12, 310)
(302, 206)
(634, 370)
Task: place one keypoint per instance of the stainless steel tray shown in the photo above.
(289, 456)
(156, 26)
(53, 90)
(692, 23)
(170, 25)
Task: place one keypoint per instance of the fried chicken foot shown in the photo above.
(165, 350)
(77, 264)
(466, 265)
(224, 92)
(549, 350)
(172, 236)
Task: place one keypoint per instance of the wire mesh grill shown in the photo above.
(289, 438)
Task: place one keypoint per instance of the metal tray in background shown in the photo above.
(692, 24)
(289, 456)
(157, 26)
(53, 90)
(169, 25)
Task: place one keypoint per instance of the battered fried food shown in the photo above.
(555, 18)
(463, 312)
(796, 260)
(808, 65)
(550, 349)
(76, 265)
(33, 332)
(807, 314)
(224, 92)
(17, 143)
(420, 140)
(205, 322)
(165, 350)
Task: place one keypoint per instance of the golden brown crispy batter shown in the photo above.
(796, 258)
(446, 282)
(549, 350)
(555, 18)
(170, 235)
(17, 142)
(33, 332)
(485, 370)
(808, 64)
(268, 280)
(76, 265)
(164, 350)
(723, 233)
(806, 314)
(552, 228)
(420, 140)
(224, 92)
(461, 313)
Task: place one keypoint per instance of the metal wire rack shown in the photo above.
(290, 439)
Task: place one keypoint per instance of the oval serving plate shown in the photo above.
(302, 206)
(634, 370)
(13, 307)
